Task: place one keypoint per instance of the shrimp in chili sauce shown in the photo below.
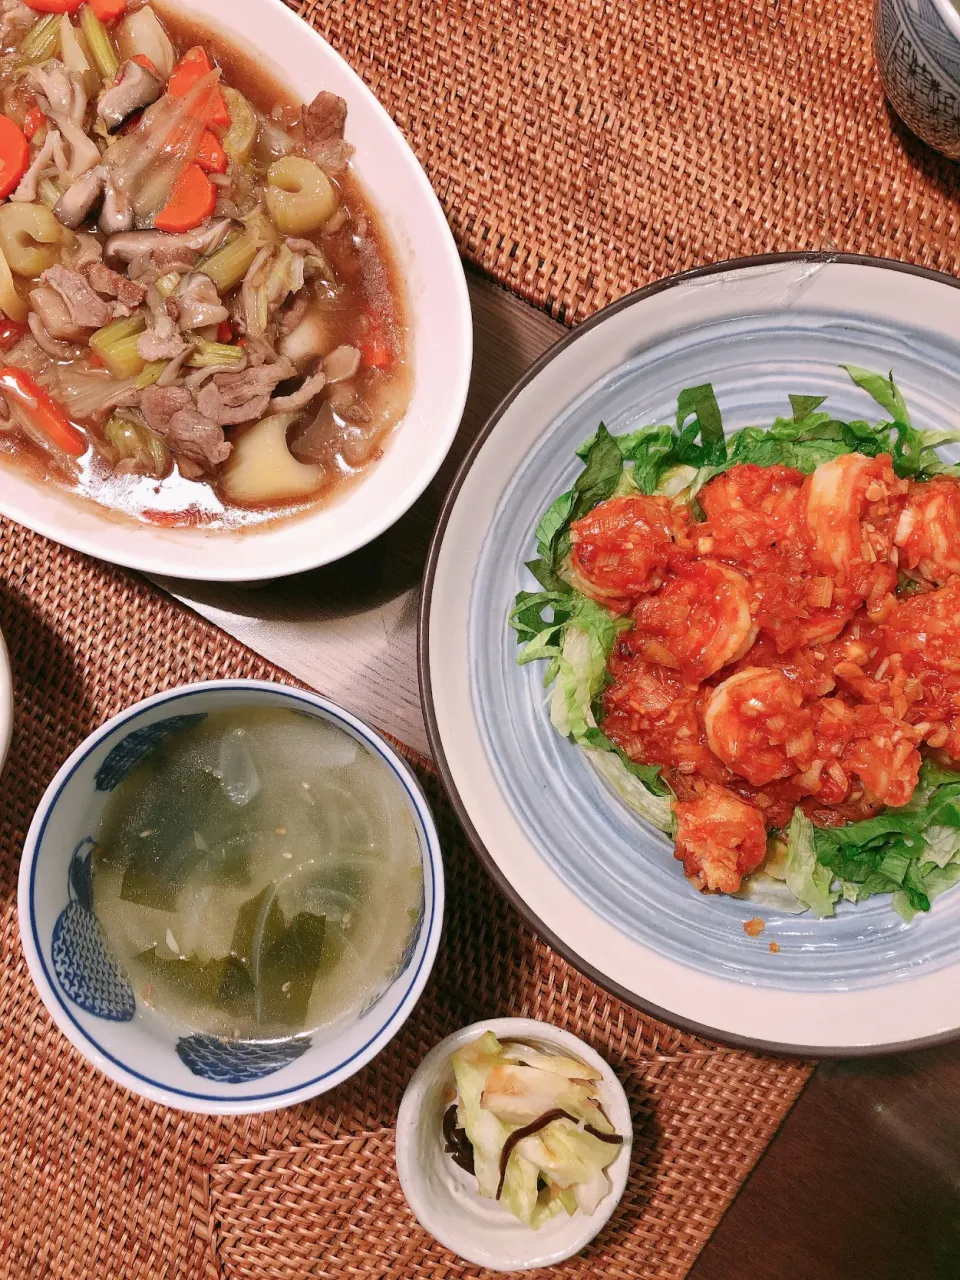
(770, 663)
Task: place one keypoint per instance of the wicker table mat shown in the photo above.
(582, 148)
(99, 1185)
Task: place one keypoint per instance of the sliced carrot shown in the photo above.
(148, 65)
(34, 122)
(54, 6)
(29, 400)
(95, 359)
(210, 156)
(193, 66)
(10, 332)
(192, 199)
(375, 351)
(14, 155)
(224, 331)
(109, 10)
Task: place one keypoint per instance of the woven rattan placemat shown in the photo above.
(582, 148)
(99, 1185)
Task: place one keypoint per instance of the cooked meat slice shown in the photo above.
(133, 89)
(291, 316)
(300, 398)
(323, 124)
(86, 309)
(114, 285)
(15, 21)
(198, 303)
(324, 118)
(333, 156)
(161, 340)
(152, 345)
(190, 435)
(149, 267)
(159, 404)
(230, 398)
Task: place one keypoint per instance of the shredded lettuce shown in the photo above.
(806, 877)
(767, 891)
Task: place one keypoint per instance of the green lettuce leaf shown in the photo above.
(809, 880)
(698, 415)
(884, 390)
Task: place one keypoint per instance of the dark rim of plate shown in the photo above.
(426, 690)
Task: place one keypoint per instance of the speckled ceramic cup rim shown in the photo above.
(210, 1102)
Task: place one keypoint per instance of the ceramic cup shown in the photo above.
(88, 996)
(444, 1196)
(917, 44)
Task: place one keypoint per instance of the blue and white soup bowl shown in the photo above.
(89, 998)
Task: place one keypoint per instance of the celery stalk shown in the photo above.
(123, 359)
(116, 344)
(106, 338)
(138, 444)
(167, 284)
(227, 267)
(100, 43)
(208, 353)
(42, 40)
(151, 372)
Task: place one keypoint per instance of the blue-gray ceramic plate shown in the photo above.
(598, 882)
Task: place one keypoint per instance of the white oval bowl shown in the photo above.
(444, 1196)
(6, 702)
(441, 347)
(87, 996)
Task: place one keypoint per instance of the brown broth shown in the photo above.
(370, 292)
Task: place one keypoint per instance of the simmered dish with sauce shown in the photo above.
(755, 640)
(202, 323)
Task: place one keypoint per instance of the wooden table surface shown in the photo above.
(863, 1179)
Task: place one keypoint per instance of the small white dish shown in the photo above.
(440, 338)
(444, 1197)
(88, 996)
